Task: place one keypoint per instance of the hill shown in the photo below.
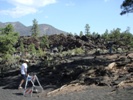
(26, 30)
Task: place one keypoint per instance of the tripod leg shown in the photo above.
(25, 86)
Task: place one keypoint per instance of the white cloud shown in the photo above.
(32, 3)
(25, 7)
(21, 2)
(70, 4)
(18, 11)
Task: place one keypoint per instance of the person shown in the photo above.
(24, 73)
(109, 46)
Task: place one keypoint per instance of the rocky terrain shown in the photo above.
(62, 68)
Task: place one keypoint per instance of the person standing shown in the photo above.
(109, 46)
(24, 73)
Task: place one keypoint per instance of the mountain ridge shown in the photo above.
(44, 29)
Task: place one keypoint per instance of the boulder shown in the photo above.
(111, 66)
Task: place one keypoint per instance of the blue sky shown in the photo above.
(68, 15)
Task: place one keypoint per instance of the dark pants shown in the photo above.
(23, 76)
(110, 50)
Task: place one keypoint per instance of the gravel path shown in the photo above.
(91, 93)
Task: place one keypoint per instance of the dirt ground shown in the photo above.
(70, 92)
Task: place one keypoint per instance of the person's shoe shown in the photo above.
(36, 90)
(20, 87)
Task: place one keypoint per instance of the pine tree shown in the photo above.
(21, 46)
(81, 34)
(87, 29)
(127, 7)
(44, 42)
(8, 38)
(35, 28)
(32, 49)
